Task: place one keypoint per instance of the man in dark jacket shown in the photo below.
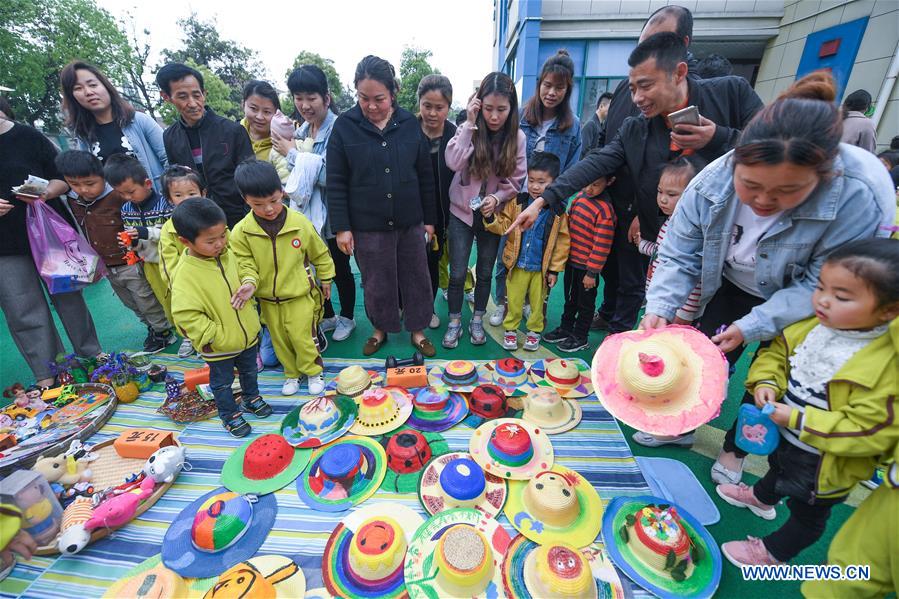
(202, 140)
(593, 127)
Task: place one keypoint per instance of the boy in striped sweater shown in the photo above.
(591, 224)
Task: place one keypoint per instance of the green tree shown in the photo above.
(414, 66)
(140, 88)
(218, 95)
(38, 37)
(336, 88)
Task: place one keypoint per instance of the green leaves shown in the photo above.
(414, 66)
(696, 553)
(670, 559)
(630, 519)
(624, 534)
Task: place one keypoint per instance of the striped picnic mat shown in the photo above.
(595, 448)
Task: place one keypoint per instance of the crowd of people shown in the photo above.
(742, 221)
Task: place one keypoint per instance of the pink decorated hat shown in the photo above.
(660, 381)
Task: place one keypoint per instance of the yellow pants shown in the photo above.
(153, 274)
(520, 284)
(293, 335)
(869, 537)
(443, 272)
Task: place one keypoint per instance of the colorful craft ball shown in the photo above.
(220, 521)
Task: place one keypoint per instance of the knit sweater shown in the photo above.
(148, 218)
(591, 225)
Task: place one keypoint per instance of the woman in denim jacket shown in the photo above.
(755, 226)
(549, 125)
(104, 124)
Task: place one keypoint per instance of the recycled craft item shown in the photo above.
(319, 421)
(456, 553)
(510, 374)
(661, 381)
(365, 554)
(263, 576)
(343, 474)
(217, 531)
(486, 402)
(458, 375)
(571, 378)
(264, 465)
(382, 410)
(555, 506)
(436, 409)
(408, 452)
(544, 407)
(661, 547)
(352, 381)
(511, 448)
(457, 481)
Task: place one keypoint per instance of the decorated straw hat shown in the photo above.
(264, 465)
(456, 553)
(486, 402)
(217, 531)
(571, 378)
(661, 547)
(661, 381)
(544, 407)
(343, 474)
(511, 448)
(319, 421)
(352, 380)
(456, 375)
(457, 481)
(149, 579)
(553, 570)
(509, 373)
(382, 410)
(365, 554)
(408, 452)
(261, 577)
(436, 409)
(556, 505)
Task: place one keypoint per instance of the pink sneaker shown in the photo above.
(740, 495)
(751, 552)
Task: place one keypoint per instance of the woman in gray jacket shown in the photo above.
(858, 129)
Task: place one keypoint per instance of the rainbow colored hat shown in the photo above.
(457, 481)
(456, 375)
(554, 570)
(343, 474)
(571, 378)
(436, 409)
(511, 448)
(268, 576)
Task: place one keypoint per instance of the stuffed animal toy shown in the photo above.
(73, 536)
(119, 510)
(166, 463)
(65, 470)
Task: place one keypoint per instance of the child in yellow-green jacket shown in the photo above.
(277, 249)
(834, 383)
(220, 322)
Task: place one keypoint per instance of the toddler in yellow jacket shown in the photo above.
(207, 308)
(280, 255)
(834, 383)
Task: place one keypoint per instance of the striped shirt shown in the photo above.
(651, 249)
(591, 225)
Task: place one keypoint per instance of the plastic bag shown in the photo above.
(64, 259)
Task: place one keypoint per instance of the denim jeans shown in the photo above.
(221, 375)
(267, 350)
(461, 237)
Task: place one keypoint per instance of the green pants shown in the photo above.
(153, 273)
(292, 327)
(520, 284)
(869, 537)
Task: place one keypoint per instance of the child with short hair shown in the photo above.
(591, 225)
(97, 209)
(222, 324)
(534, 258)
(833, 380)
(143, 214)
(178, 183)
(277, 248)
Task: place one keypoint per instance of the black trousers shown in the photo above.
(579, 303)
(792, 474)
(344, 281)
(624, 282)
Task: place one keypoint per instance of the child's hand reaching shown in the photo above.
(781, 415)
(589, 282)
(764, 395)
(242, 295)
(551, 279)
(729, 339)
(326, 290)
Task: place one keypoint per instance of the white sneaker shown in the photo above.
(328, 324)
(186, 350)
(532, 341)
(510, 340)
(435, 322)
(345, 327)
(290, 387)
(316, 384)
(498, 315)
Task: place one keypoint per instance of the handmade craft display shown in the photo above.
(571, 378)
(457, 481)
(486, 402)
(511, 448)
(319, 421)
(382, 410)
(661, 381)
(510, 374)
(264, 465)
(436, 409)
(263, 576)
(352, 381)
(456, 375)
(366, 552)
(183, 405)
(343, 474)
(661, 547)
(408, 451)
(456, 553)
(544, 407)
(551, 570)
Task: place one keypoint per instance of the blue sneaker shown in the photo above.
(237, 426)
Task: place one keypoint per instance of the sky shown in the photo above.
(460, 33)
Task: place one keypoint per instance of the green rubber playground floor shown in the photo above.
(119, 329)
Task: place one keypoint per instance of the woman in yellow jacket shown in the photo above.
(277, 249)
(834, 383)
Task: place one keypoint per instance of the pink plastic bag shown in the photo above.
(64, 259)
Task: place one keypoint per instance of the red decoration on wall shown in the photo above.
(829, 48)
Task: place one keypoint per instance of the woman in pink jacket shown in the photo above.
(488, 155)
